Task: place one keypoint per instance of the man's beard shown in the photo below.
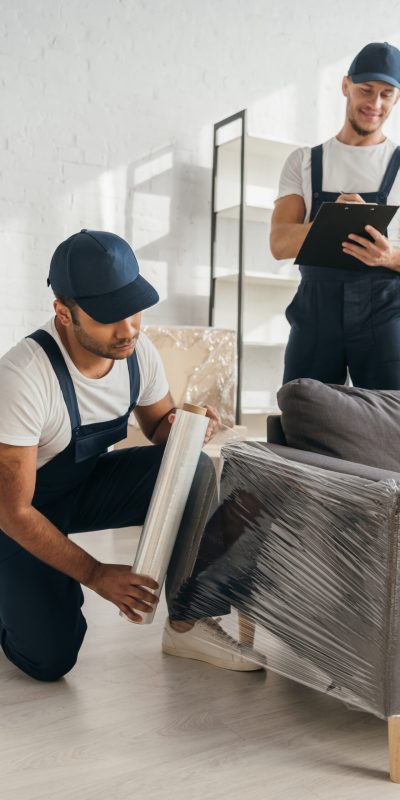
(362, 131)
(104, 351)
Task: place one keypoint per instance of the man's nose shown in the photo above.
(127, 328)
(376, 102)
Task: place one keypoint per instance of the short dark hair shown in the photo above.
(71, 303)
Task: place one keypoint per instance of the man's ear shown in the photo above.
(62, 312)
(345, 85)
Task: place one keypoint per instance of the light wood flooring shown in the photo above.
(128, 722)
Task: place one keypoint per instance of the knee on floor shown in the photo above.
(48, 661)
(54, 667)
(48, 667)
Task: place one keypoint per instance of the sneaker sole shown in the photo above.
(245, 667)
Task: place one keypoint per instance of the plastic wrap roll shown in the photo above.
(170, 494)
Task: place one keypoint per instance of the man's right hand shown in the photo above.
(350, 198)
(116, 583)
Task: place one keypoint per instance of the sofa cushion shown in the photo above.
(359, 425)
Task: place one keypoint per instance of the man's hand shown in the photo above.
(378, 253)
(349, 198)
(215, 420)
(116, 583)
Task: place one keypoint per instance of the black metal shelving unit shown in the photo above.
(239, 116)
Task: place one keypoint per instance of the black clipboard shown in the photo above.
(322, 246)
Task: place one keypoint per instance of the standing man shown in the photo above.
(66, 392)
(347, 319)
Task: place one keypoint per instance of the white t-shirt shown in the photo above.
(32, 407)
(345, 168)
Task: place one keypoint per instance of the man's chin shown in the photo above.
(362, 131)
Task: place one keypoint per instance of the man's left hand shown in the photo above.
(378, 253)
(215, 420)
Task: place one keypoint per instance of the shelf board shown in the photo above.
(251, 213)
(266, 278)
(257, 146)
(253, 411)
(249, 343)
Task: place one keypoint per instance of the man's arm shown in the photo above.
(36, 534)
(27, 526)
(288, 229)
(155, 420)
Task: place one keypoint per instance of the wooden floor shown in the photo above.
(128, 722)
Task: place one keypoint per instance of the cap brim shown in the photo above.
(364, 77)
(121, 304)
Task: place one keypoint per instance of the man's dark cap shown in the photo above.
(378, 61)
(99, 270)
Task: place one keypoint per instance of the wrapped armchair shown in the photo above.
(313, 557)
(362, 558)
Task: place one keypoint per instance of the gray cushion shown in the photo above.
(359, 425)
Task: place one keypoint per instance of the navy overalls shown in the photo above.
(346, 318)
(86, 488)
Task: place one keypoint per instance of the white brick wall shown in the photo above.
(107, 109)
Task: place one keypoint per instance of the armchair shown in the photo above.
(314, 561)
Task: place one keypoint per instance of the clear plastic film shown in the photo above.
(169, 497)
(310, 562)
(200, 364)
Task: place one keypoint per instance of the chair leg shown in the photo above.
(394, 748)
(246, 630)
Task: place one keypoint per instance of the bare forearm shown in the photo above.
(161, 433)
(36, 534)
(287, 238)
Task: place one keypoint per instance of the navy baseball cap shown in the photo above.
(99, 270)
(378, 61)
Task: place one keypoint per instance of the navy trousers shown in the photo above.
(343, 321)
(41, 622)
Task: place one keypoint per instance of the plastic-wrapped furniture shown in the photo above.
(375, 587)
(200, 365)
(313, 560)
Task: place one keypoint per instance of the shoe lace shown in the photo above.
(214, 625)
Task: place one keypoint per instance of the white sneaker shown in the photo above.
(207, 641)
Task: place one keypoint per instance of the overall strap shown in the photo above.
(134, 379)
(390, 175)
(316, 168)
(55, 356)
(316, 179)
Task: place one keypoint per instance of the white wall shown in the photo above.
(107, 109)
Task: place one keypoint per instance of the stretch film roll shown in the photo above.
(170, 494)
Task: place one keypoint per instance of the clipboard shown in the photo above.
(322, 246)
